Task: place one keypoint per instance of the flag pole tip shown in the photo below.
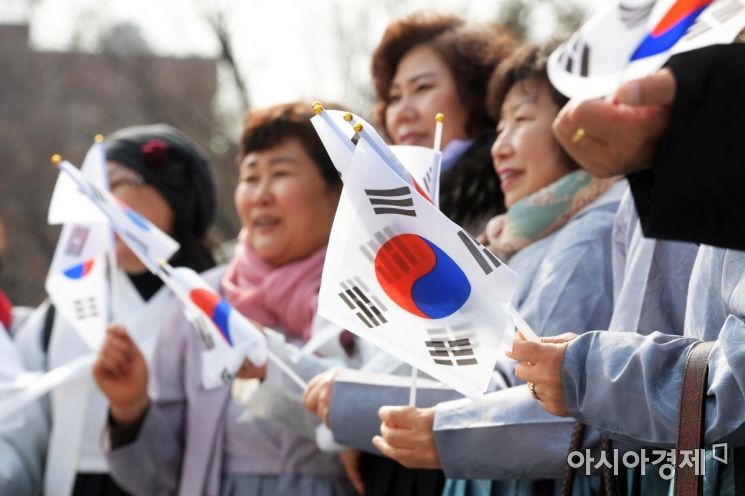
(98, 138)
(162, 262)
(56, 159)
(440, 117)
(348, 116)
(317, 107)
(358, 128)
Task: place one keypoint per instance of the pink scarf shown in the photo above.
(285, 296)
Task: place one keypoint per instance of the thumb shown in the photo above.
(656, 89)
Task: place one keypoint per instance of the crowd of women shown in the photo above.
(568, 194)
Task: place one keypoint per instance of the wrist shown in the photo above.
(124, 414)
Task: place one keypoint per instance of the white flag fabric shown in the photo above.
(149, 243)
(229, 337)
(401, 275)
(424, 165)
(77, 283)
(68, 203)
(630, 39)
(337, 137)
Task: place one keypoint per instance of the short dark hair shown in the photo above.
(528, 62)
(470, 51)
(268, 127)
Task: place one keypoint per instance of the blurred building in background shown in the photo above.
(56, 102)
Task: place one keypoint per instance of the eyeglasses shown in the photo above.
(129, 179)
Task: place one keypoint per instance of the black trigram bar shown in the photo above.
(395, 201)
(397, 259)
(76, 242)
(366, 308)
(428, 178)
(578, 52)
(486, 259)
(633, 16)
(370, 249)
(201, 325)
(85, 308)
(727, 11)
(451, 351)
(722, 14)
(226, 376)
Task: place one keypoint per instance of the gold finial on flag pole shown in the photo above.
(56, 159)
(98, 138)
(439, 122)
(317, 107)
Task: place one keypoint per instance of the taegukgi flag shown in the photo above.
(401, 275)
(229, 337)
(77, 279)
(630, 39)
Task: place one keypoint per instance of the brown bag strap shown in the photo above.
(570, 473)
(691, 419)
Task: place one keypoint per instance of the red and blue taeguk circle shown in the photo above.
(673, 25)
(420, 277)
(79, 271)
(217, 308)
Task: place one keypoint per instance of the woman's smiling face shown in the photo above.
(526, 155)
(422, 87)
(284, 204)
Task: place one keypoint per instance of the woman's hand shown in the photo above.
(121, 374)
(492, 231)
(540, 364)
(317, 395)
(619, 137)
(250, 371)
(406, 436)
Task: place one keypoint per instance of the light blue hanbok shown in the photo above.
(650, 280)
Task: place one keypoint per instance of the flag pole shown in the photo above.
(412, 390)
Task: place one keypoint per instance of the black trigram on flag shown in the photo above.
(396, 201)
(451, 345)
(76, 241)
(575, 57)
(721, 14)
(632, 16)
(86, 308)
(201, 324)
(486, 259)
(370, 249)
(428, 178)
(366, 306)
